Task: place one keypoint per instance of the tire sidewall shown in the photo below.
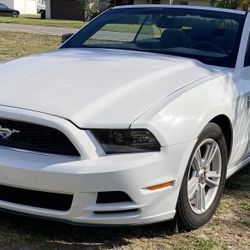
(189, 218)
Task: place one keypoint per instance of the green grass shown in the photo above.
(245, 222)
(229, 228)
(196, 243)
(245, 206)
(14, 45)
(35, 20)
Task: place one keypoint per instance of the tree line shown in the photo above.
(91, 8)
(232, 4)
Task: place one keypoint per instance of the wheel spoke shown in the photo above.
(196, 164)
(211, 183)
(210, 152)
(192, 187)
(213, 174)
(215, 179)
(200, 201)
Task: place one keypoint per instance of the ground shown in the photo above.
(229, 228)
(14, 45)
(36, 20)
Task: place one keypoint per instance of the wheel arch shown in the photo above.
(226, 126)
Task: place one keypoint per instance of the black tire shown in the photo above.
(186, 218)
(15, 14)
(43, 14)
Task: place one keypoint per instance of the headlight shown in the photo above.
(118, 141)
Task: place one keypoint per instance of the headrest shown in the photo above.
(165, 22)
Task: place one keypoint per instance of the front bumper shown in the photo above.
(92, 173)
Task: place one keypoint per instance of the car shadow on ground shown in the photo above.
(59, 235)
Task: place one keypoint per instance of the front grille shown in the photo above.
(33, 137)
(60, 202)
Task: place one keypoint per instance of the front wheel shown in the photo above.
(15, 14)
(204, 179)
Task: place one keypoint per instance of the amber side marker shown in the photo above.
(162, 185)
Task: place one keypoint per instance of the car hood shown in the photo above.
(95, 87)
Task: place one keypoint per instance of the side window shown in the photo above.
(3, 7)
(247, 57)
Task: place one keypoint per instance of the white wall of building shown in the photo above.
(9, 3)
(24, 6)
(48, 9)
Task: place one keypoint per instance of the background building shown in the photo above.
(24, 6)
(71, 9)
(64, 9)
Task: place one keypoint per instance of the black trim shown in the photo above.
(39, 199)
(247, 56)
(117, 211)
(112, 197)
(37, 138)
(71, 223)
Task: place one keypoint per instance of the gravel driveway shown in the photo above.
(54, 31)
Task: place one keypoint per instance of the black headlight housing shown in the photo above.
(121, 141)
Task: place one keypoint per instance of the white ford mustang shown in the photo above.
(138, 118)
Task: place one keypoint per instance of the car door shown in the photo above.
(1, 10)
(246, 78)
(241, 78)
(4, 10)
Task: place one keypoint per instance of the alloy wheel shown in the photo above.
(204, 176)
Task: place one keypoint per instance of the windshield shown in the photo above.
(212, 37)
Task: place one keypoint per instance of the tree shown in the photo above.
(244, 4)
(232, 4)
(92, 8)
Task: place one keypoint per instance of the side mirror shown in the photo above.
(65, 37)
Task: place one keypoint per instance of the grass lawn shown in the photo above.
(35, 20)
(229, 228)
(14, 45)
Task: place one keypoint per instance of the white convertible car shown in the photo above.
(138, 118)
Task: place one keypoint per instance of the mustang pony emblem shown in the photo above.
(5, 133)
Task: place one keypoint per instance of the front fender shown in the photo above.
(181, 116)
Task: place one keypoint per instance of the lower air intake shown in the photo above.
(112, 197)
(54, 201)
